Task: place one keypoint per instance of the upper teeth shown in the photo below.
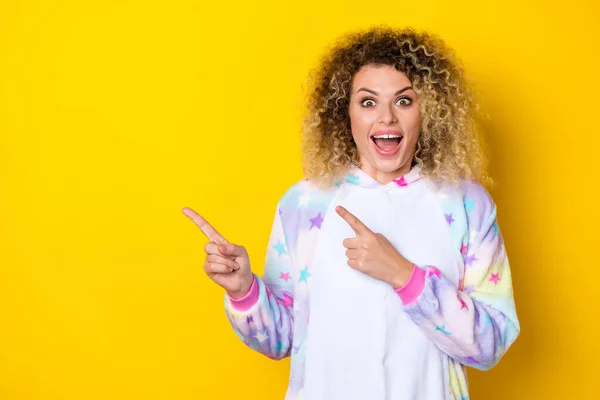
(387, 136)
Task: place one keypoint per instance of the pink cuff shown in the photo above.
(413, 288)
(245, 303)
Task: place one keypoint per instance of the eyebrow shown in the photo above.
(375, 93)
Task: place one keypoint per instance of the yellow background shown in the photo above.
(116, 114)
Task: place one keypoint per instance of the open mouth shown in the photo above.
(387, 144)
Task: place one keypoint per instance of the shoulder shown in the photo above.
(470, 196)
(305, 193)
(477, 199)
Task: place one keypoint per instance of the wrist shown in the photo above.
(403, 273)
(244, 290)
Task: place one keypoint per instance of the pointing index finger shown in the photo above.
(204, 226)
(356, 224)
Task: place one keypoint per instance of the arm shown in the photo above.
(263, 318)
(477, 322)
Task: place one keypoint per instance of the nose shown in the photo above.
(387, 115)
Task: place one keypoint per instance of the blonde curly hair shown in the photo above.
(449, 146)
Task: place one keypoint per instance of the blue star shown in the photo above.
(352, 179)
(495, 227)
(487, 318)
(469, 204)
(304, 275)
(442, 329)
(279, 346)
(280, 248)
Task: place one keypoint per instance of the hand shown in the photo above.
(227, 264)
(372, 254)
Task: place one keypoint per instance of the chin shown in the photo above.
(389, 166)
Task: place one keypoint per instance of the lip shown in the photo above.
(379, 150)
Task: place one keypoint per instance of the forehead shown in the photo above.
(381, 79)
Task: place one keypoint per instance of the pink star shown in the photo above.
(463, 250)
(284, 276)
(463, 304)
(434, 271)
(268, 294)
(400, 182)
(460, 284)
(288, 300)
(495, 278)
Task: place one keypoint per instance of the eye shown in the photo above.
(368, 103)
(404, 101)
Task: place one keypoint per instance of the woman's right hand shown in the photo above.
(227, 264)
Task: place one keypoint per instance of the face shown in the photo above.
(385, 121)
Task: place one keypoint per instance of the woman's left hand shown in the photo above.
(372, 254)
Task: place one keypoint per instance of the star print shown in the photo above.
(304, 275)
(449, 219)
(303, 200)
(285, 276)
(463, 304)
(400, 182)
(280, 248)
(470, 259)
(261, 336)
(279, 346)
(249, 319)
(469, 204)
(472, 360)
(296, 349)
(495, 278)
(316, 221)
(352, 179)
(288, 300)
(280, 211)
(488, 320)
(469, 289)
(460, 284)
(463, 250)
(434, 271)
(442, 329)
(495, 227)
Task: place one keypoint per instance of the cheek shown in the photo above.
(414, 123)
(360, 119)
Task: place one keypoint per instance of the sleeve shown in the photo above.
(263, 319)
(477, 322)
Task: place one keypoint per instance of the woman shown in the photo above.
(386, 273)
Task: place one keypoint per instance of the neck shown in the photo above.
(384, 177)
